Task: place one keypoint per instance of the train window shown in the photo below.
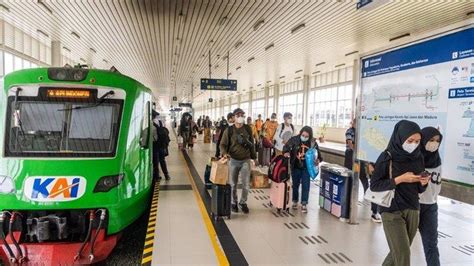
(144, 138)
(60, 129)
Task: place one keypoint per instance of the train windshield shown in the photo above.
(62, 129)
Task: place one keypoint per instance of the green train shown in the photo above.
(75, 163)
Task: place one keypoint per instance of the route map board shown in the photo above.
(430, 83)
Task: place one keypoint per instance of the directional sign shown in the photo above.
(219, 84)
(190, 105)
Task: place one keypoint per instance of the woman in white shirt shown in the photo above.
(431, 139)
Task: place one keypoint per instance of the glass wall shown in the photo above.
(270, 108)
(331, 106)
(258, 107)
(13, 63)
(245, 106)
(292, 103)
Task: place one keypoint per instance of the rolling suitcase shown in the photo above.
(221, 201)
(207, 176)
(280, 195)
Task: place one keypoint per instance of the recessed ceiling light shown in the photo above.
(258, 24)
(251, 59)
(298, 71)
(316, 72)
(75, 34)
(43, 33)
(93, 50)
(45, 6)
(399, 37)
(4, 7)
(67, 49)
(237, 68)
(238, 44)
(340, 65)
(282, 77)
(105, 61)
(320, 64)
(271, 45)
(351, 53)
(298, 28)
(297, 77)
(82, 59)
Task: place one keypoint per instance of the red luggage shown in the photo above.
(280, 195)
(279, 169)
(264, 156)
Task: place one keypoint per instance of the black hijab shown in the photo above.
(401, 132)
(431, 159)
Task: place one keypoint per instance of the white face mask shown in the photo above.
(410, 147)
(156, 121)
(432, 146)
(240, 120)
(289, 121)
(274, 119)
(304, 139)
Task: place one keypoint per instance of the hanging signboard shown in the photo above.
(219, 84)
(190, 105)
(430, 83)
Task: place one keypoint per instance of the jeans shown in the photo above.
(237, 167)
(400, 228)
(429, 232)
(300, 176)
(159, 156)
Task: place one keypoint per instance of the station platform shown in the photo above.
(186, 235)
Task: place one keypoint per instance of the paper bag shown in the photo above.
(259, 180)
(219, 172)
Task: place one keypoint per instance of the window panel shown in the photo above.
(9, 64)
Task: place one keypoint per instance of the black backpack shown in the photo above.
(163, 136)
(283, 127)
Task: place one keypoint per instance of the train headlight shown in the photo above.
(7, 186)
(67, 74)
(106, 183)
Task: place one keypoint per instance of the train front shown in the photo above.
(59, 167)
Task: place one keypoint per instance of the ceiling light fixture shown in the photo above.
(340, 65)
(237, 68)
(470, 13)
(282, 77)
(298, 28)
(258, 24)
(223, 20)
(259, 85)
(83, 60)
(297, 78)
(320, 64)
(41, 3)
(75, 34)
(298, 71)
(67, 49)
(4, 7)
(351, 53)
(271, 45)
(105, 61)
(43, 33)
(399, 37)
(238, 44)
(251, 59)
(93, 50)
(316, 72)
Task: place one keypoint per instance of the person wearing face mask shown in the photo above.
(238, 145)
(428, 200)
(224, 124)
(399, 168)
(259, 124)
(295, 149)
(283, 133)
(270, 127)
(253, 127)
(161, 141)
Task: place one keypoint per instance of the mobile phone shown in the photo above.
(425, 174)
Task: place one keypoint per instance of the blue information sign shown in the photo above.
(219, 84)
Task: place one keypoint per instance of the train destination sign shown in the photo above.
(219, 84)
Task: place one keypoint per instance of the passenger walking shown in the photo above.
(161, 142)
(184, 129)
(238, 144)
(199, 122)
(224, 124)
(430, 141)
(270, 127)
(207, 125)
(254, 129)
(284, 132)
(399, 168)
(363, 176)
(295, 149)
(259, 124)
(194, 130)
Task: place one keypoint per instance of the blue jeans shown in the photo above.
(429, 232)
(300, 176)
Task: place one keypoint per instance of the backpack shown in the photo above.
(283, 127)
(163, 136)
(231, 131)
(279, 169)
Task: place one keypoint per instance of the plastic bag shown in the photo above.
(311, 157)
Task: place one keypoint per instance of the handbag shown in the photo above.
(381, 198)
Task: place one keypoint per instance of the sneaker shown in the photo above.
(167, 177)
(294, 206)
(235, 208)
(304, 209)
(376, 218)
(244, 208)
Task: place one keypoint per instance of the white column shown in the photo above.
(306, 88)
(56, 58)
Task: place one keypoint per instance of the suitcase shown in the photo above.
(280, 195)
(221, 201)
(264, 156)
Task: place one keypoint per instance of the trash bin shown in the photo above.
(340, 182)
(325, 193)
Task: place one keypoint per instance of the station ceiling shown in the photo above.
(165, 43)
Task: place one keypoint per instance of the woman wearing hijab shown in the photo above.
(398, 168)
(428, 200)
(295, 148)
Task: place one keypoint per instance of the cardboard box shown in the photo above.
(219, 172)
(259, 180)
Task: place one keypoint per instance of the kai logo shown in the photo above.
(54, 188)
